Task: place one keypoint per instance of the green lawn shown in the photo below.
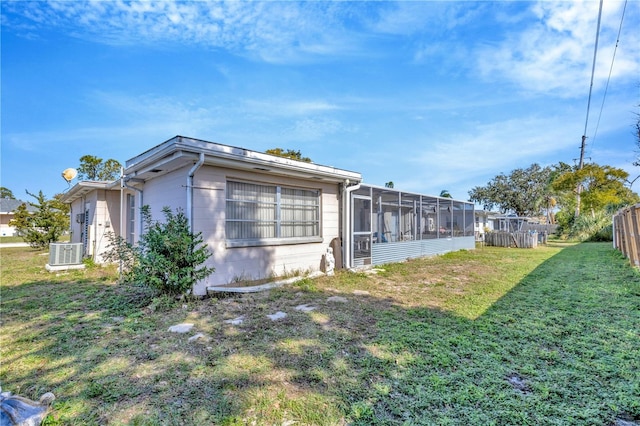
(490, 336)
(62, 239)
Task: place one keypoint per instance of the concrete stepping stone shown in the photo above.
(305, 308)
(181, 328)
(339, 299)
(235, 321)
(278, 315)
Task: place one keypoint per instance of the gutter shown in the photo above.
(192, 172)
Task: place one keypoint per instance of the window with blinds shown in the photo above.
(258, 212)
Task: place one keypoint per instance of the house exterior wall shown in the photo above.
(168, 190)
(484, 222)
(75, 228)
(209, 214)
(103, 217)
(5, 229)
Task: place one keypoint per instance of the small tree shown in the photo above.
(169, 257)
(389, 184)
(45, 225)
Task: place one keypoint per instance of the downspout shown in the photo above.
(122, 221)
(192, 172)
(346, 212)
(121, 206)
(139, 191)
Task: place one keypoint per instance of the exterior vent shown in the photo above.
(65, 254)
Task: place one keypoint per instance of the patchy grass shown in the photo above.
(491, 336)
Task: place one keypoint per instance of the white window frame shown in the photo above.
(277, 220)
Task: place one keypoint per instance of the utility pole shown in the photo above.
(586, 121)
(580, 166)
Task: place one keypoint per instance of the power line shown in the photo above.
(593, 70)
(586, 121)
(595, 133)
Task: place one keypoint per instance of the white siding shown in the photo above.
(103, 218)
(255, 262)
(168, 190)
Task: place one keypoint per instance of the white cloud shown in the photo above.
(475, 155)
(287, 107)
(555, 54)
(272, 31)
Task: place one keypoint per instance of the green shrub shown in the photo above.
(169, 257)
(592, 227)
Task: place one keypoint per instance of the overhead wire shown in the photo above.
(593, 70)
(606, 89)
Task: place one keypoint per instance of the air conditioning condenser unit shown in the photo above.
(62, 254)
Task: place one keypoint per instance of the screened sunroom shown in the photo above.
(387, 225)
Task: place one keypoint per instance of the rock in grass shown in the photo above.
(235, 321)
(278, 315)
(304, 308)
(181, 328)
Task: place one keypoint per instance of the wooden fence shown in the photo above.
(512, 239)
(626, 233)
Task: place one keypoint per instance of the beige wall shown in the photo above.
(166, 190)
(5, 229)
(251, 263)
(103, 218)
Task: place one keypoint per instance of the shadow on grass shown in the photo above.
(560, 348)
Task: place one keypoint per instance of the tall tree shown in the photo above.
(289, 153)
(389, 184)
(521, 192)
(445, 194)
(94, 168)
(45, 225)
(601, 186)
(6, 193)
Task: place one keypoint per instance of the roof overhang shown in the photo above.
(83, 188)
(181, 151)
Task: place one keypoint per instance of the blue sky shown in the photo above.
(429, 95)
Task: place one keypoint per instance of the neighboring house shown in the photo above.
(486, 221)
(95, 213)
(263, 215)
(7, 208)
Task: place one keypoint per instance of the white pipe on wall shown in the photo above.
(192, 172)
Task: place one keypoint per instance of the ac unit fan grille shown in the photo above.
(65, 254)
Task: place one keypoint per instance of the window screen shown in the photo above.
(256, 211)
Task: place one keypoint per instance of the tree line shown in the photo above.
(552, 191)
